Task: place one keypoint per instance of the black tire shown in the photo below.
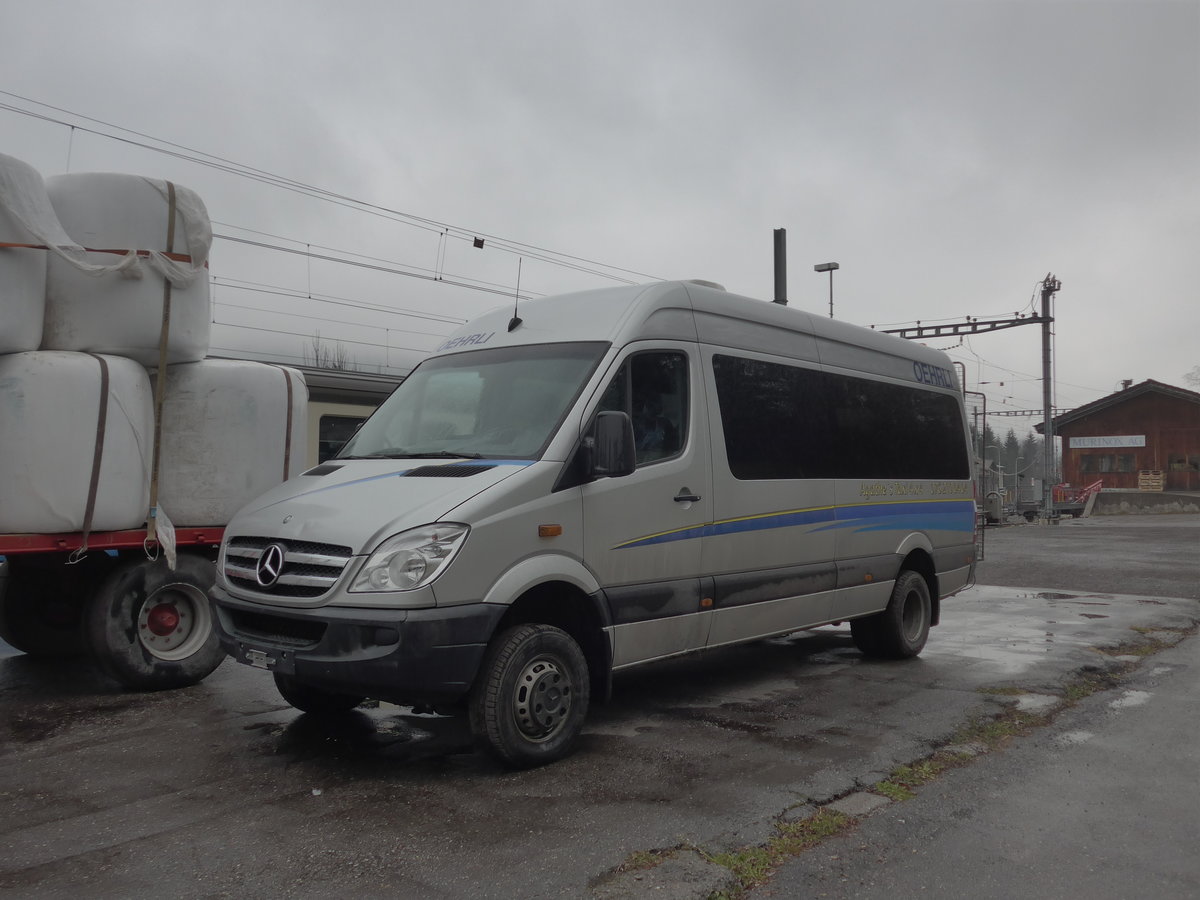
(900, 631)
(530, 696)
(314, 699)
(151, 628)
(41, 608)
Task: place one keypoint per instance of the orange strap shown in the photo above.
(97, 458)
(160, 385)
(287, 439)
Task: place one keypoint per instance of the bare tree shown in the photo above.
(319, 354)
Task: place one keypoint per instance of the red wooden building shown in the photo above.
(1147, 428)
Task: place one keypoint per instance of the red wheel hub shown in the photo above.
(163, 619)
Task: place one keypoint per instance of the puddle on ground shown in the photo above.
(1079, 599)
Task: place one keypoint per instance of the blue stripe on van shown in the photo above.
(910, 515)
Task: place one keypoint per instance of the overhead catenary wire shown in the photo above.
(262, 309)
(375, 344)
(329, 299)
(203, 158)
(1027, 375)
(1031, 306)
(380, 265)
(390, 270)
(302, 359)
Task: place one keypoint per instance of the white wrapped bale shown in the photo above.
(226, 436)
(50, 405)
(120, 311)
(23, 206)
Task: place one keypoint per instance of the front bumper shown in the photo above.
(405, 656)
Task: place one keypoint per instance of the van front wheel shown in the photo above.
(531, 695)
(900, 631)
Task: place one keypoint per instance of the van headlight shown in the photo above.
(410, 559)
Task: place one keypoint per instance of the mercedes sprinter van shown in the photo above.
(614, 477)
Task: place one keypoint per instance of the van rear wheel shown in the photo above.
(900, 631)
(531, 696)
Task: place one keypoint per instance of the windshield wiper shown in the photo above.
(445, 454)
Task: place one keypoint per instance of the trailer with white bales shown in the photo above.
(114, 425)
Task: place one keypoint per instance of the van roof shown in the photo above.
(701, 312)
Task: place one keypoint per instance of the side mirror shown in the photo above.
(613, 452)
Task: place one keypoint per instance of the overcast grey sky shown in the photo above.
(947, 154)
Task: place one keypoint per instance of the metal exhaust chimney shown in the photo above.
(781, 266)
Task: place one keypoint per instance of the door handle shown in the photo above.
(685, 495)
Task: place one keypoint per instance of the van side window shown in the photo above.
(783, 421)
(775, 422)
(652, 388)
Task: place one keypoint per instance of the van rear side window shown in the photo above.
(782, 421)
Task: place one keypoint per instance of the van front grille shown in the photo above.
(308, 569)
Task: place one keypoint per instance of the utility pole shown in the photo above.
(1050, 286)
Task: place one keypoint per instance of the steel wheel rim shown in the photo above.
(542, 699)
(174, 622)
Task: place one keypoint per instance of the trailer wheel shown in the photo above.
(151, 628)
(900, 631)
(312, 699)
(41, 611)
(531, 696)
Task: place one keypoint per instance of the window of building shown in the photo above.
(1181, 463)
(333, 431)
(1102, 463)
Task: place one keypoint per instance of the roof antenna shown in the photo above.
(516, 320)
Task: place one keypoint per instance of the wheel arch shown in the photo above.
(919, 559)
(582, 615)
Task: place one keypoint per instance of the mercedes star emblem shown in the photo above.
(270, 564)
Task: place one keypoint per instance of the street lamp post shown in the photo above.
(829, 267)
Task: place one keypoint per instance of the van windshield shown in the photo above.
(505, 402)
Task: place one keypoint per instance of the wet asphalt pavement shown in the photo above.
(1103, 803)
(223, 790)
